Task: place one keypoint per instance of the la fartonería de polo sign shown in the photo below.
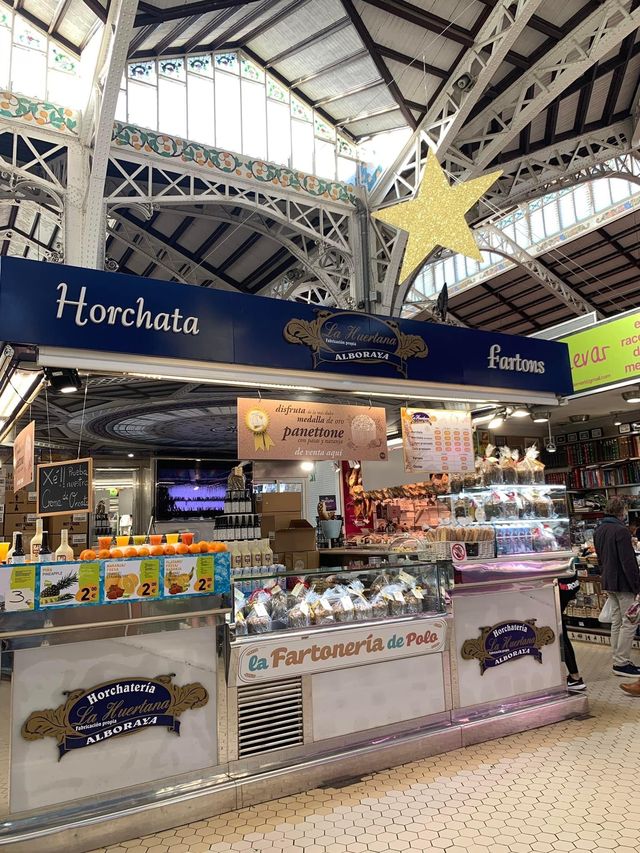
(61, 306)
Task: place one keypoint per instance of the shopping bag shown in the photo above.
(633, 612)
(606, 614)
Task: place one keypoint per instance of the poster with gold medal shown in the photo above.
(299, 429)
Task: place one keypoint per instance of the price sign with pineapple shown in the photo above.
(188, 575)
(131, 580)
(65, 584)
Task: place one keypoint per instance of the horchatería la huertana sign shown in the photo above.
(114, 708)
(61, 306)
(508, 641)
(342, 337)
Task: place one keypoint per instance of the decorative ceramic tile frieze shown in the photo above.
(150, 142)
(38, 112)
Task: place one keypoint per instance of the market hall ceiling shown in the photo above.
(368, 65)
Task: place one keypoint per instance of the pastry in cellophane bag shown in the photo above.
(530, 469)
(490, 467)
(507, 465)
(258, 619)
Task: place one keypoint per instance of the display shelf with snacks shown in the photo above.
(278, 600)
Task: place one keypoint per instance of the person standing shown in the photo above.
(620, 578)
(568, 586)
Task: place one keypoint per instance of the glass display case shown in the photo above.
(274, 600)
(526, 519)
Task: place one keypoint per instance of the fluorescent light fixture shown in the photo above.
(149, 367)
(520, 412)
(496, 421)
(21, 390)
(307, 466)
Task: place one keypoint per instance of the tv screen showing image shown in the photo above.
(192, 489)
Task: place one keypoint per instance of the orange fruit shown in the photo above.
(144, 551)
(181, 549)
(89, 555)
(194, 548)
(157, 551)
(82, 553)
(169, 550)
(205, 547)
(131, 551)
(117, 553)
(103, 554)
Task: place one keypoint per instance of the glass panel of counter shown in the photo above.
(280, 600)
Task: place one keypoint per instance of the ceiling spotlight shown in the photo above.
(632, 396)
(463, 82)
(520, 412)
(496, 421)
(617, 418)
(541, 417)
(62, 379)
(581, 419)
(307, 466)
(130, 455)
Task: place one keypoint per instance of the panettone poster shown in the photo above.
(437, 440)
(298, 429)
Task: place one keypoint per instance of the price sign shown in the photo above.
(130, 580)
(17, 587)
(188, 575)
(65, 584)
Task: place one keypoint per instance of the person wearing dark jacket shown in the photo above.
(568, 586)
(620, 578)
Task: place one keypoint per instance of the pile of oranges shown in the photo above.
(153, 551)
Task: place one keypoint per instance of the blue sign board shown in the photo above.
(62, 306)
(115, 708)
(507, 641)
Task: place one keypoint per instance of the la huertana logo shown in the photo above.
(508, 641)
(349, 337)
(113, 709)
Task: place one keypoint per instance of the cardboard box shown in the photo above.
(56, 523)
(21, 501)
(276, 521)
(301, 561)
(299, 536)
(280, 502)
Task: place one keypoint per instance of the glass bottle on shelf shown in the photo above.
(13, 547)
(64, 552)
(36, 542)
(18, 555)
(46, 554)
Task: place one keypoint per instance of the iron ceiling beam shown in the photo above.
(332, 66)
(320, 35)
(417, 64)
(241, 250)
(383, 71)
(453, 104)
(62, 7)
(97, 8)
(156, 15)
(274, 20)
(44, 28)
(569, 60)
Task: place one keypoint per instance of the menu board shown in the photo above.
(437, 440)
(65, 487)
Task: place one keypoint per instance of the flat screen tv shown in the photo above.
(192, 489)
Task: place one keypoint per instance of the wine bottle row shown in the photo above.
(238, 501)
(238, 528)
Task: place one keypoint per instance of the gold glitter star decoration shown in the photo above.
(435, 216)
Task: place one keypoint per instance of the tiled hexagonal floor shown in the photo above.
(567, 787)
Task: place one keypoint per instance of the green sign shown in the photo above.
(606, 353)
